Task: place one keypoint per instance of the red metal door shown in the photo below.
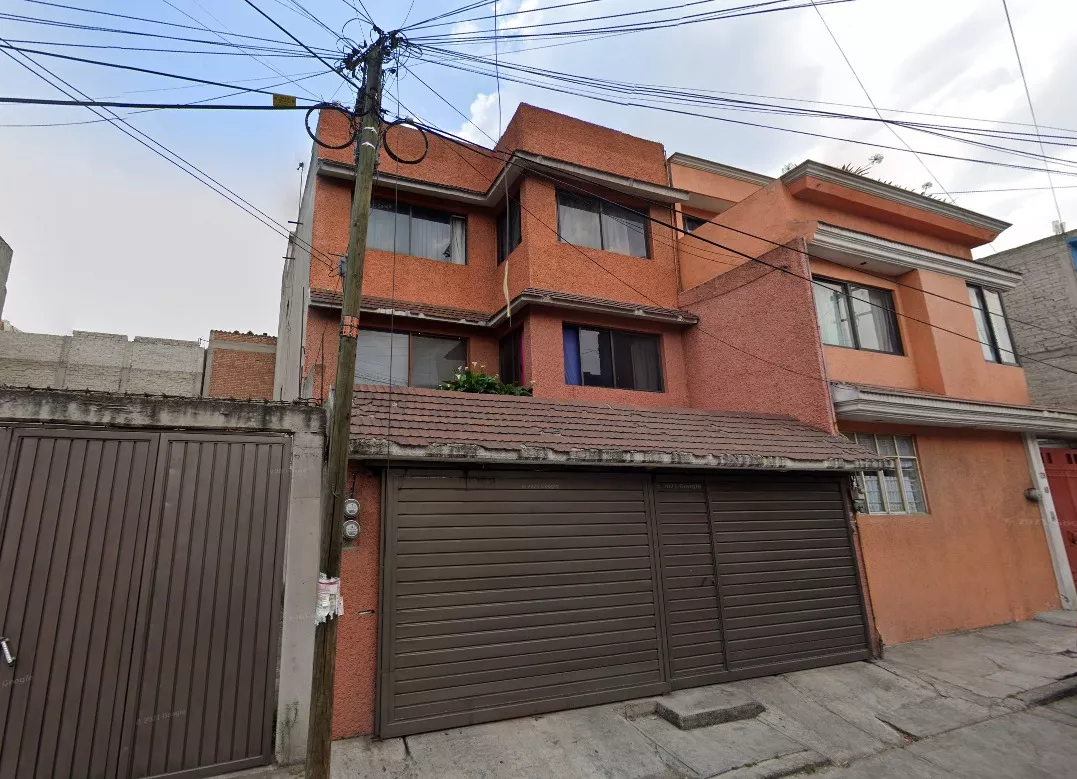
(1061, 466)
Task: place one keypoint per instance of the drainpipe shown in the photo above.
(1067, 593)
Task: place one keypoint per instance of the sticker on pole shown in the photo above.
(330, 603)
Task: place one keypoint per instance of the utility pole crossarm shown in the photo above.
(368, 106)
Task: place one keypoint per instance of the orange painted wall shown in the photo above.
(757, 347)
(545, 360)
(711, 184)
(355, 678)
(978, 558)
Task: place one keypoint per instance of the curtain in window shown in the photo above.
(431, 235)
(578, 220)
(381, 358)
(982, 332)
(384, 223)
(458, 248)
(573, 375)
(999, 327)
(636, 362)
(832, 309)
(623, 231)
(875, 324)
(435, 360)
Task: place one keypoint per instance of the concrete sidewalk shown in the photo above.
(989, 704)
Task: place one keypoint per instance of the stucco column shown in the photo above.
(1067, 593)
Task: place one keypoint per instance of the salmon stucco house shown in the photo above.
(777, 423)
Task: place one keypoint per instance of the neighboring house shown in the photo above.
(674, 505)
(6, 254)
(1045, 303)
(239, 365)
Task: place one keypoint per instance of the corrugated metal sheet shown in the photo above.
(144, 576)
(514, 593)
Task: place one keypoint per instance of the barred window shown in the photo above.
(897, 488)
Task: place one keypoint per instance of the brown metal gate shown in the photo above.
(142, 578)
(513, 593)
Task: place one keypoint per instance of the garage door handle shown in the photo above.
(8, 658)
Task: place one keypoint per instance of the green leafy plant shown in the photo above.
(474, 378)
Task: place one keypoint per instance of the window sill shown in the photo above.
(869, 351)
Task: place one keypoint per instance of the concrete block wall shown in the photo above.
(101, 361)
(1047, 299)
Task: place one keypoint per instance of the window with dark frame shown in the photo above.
(898, 488)
(510, 357)
(612, 358)
(856, 316)
(693, 223)
(596, 224)
(515, 230)
(407, 359)
(992, 330)
(417, 231)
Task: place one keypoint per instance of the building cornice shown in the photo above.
(856, 246)
(856, 403)
(518, 162)
(869, 186)
(728, 171)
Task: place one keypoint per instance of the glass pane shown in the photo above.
(578, 220)
(872, 312)
(866, 439)
(381, 356)
(431, 235)
(886, 444)
(514, 231)
(914, 490)
(998, 326)
(510, 363)
(982, 333)
(636, 362)
(623, 231)
(833, 311)
(383, 226)
(693, 223)
(434, 360)
(893, 492)
(596, 358)
(874, 491)
(905, 445)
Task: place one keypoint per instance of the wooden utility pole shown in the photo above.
(368, 106)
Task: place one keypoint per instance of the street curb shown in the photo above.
(777, 767)
(1048, 693)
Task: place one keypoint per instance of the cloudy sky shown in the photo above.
(110, 237)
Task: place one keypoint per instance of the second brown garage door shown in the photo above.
(513, 593)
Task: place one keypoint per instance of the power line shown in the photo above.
(543, 9)
(748, 257)
(728, 120)
(1031, 110)
(461, 10)
(121, 104)
(1012, 189)
(243, 50)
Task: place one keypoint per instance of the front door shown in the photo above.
(1061, 467)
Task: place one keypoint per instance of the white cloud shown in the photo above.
(484, 120)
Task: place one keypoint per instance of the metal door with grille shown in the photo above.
(1061, 467)
(142, 575)
(515, 593)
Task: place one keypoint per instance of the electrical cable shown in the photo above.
(1031, 110)
(123, 104)
(503, 14)
(646, 216)
(243, 50)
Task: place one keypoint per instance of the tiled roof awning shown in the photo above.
(433, 425)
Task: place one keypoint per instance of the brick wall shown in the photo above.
(1046, 298)
(101, 361)
(240, 365)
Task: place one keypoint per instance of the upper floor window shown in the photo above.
(991, 327)
(418, 231)
(588, 221)
(407, 359)
(1073, 253)
(612, 358)
(512, 232)
(856, 316)
(693, 223)
(897, 488)
(510, 357)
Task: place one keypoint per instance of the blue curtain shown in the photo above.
(572, 356)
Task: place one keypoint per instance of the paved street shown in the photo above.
(991, 704)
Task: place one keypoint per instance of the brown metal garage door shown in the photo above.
(507, 594)
(510, 594)
(140, 576)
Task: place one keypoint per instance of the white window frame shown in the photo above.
(896, 459)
